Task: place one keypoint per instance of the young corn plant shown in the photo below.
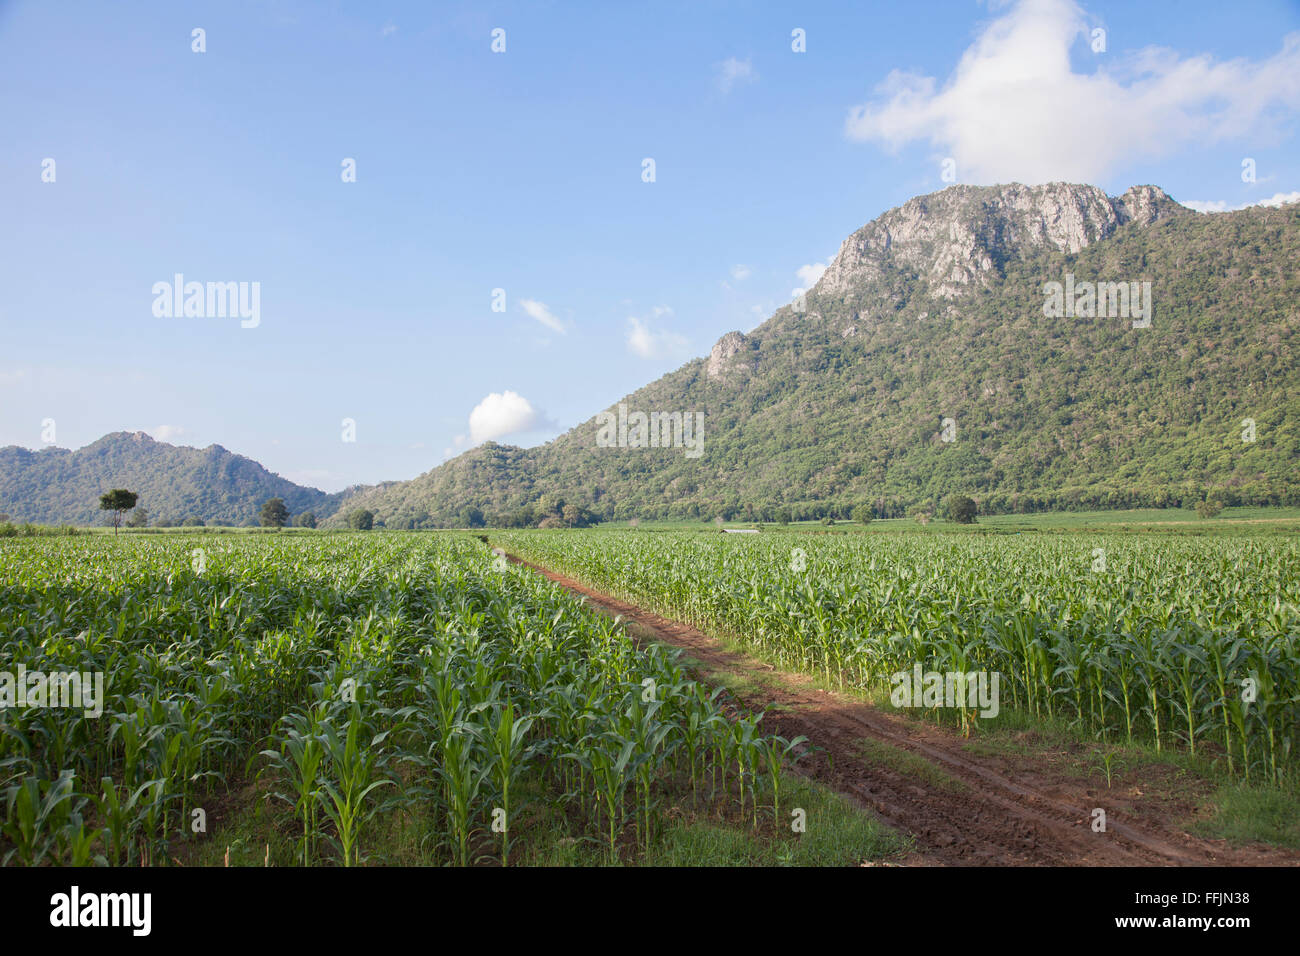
(776, 752)
(118, 810)
(298, 765)
(463, 769)
(35, 811)
(352, 773)
(509, 753)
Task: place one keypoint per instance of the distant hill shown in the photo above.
(934, 311)
(58, 486)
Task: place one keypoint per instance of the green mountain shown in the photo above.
(929, 360)
(58, 486)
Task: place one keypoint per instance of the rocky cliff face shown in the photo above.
(958, 238)
(722, 353)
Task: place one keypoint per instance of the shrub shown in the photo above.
(1208, 508)
(960, 509)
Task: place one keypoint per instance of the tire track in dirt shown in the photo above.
(967, 812)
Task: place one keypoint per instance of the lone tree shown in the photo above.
(119, 501)
(960, 509)
(305, 520)
(361, 520)
(274, 514)
(862, 514)
(1208, 508)
(576, 516)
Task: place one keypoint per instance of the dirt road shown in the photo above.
(961, 808)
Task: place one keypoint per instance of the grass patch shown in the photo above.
(910, 764)
(1247, 814)
(837, 833)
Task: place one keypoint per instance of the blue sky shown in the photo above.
(523, 171)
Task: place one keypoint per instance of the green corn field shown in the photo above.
(1180, 642)
(351, 680)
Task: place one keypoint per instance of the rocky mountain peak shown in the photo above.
(957, 237)
(724, 349)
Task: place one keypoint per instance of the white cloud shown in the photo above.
(741, 272)
(167, 432)
(457, 446)
(1013, 109)
(732, 72)
(1278, 199)
(316, 478)
(388, 30)
(648, 342)
(809, 274)
(502, 413)
(542, 314)
(1221, 205)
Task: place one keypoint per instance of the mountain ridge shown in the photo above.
(932, 312)
(946, 263)
(55, 485)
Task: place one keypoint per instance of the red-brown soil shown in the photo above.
(964, 809)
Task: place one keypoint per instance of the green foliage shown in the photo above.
(361, 520)
(960, 509)
(367, 681)
(862, 514)
(274, 514)
(1143, 646)
(1209, 508)
(305, 520)
(55, 485)
(118, 501)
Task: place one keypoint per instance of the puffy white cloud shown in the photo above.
(809, 274)
(731, 72)
(502, 413)
(1221, 205)
(1278, 199)
(1014, 109)
(167, 432)
(542, 314)
(645, 340)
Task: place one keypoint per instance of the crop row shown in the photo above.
(350, 678)
(1186, 641)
